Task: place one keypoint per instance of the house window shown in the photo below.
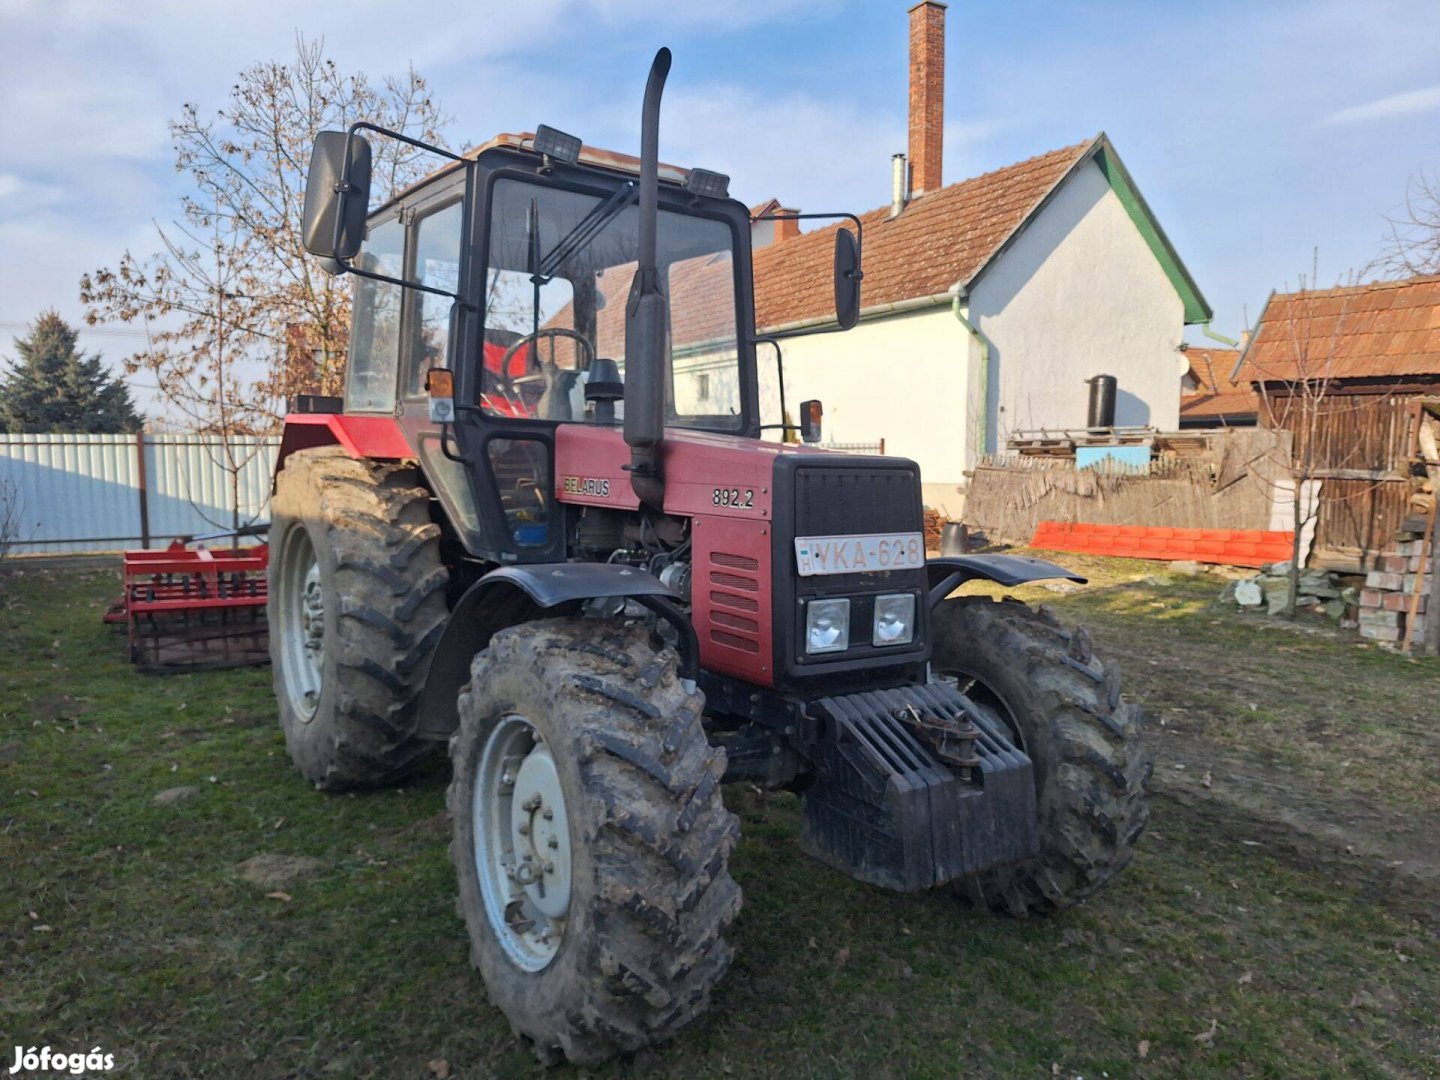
(702, 386)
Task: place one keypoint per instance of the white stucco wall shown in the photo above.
(1079, 294)
(900, 379)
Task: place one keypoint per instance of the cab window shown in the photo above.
(437, 264)
(375, 336)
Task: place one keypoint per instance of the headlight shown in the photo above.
(827, 626)
(894, 619)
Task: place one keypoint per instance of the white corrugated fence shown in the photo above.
(85, 493)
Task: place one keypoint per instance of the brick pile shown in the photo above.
(1389, 591)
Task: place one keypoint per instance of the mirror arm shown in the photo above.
(365, 125)
(859, 228)
(804, 331)
(780, 378)
(402, 283)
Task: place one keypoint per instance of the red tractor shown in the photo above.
(545, 526)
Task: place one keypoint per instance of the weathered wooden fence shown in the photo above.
(88, 493)
(1238, 483)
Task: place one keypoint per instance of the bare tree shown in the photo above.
(1413, 244)
(246, 317)
(1295, 369)
(13, 530)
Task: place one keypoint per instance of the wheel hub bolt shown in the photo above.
(548, 814)
(532, 803)
(554, 843)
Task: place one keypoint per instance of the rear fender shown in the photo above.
(949, 572)
(513, 595)
(378, 437)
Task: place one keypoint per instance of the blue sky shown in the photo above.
(1257, 131)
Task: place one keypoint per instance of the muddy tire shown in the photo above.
(1062, 702)
(356, 605)
(647, 894)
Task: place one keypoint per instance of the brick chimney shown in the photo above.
(786, 230)
(927, 95)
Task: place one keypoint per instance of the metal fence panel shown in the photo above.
(205, 485)
(87, 493)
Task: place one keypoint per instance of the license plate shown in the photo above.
(817, 555)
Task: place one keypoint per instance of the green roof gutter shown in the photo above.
(1196, 309)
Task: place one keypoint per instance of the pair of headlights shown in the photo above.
(827, 623)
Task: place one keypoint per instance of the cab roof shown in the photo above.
(594, 156)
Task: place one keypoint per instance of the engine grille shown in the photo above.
(839, 495)
(842, 501)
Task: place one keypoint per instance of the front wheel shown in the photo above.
(590, 839)
(1061, 704)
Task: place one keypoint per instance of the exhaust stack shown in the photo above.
(647, 314)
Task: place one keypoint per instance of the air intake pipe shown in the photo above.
(647, 321)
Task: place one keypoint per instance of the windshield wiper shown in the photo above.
(585, 230)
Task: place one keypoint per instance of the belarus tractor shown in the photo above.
(546, 526)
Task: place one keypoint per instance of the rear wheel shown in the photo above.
(1061, 704)
(590, 842)
(356, 605)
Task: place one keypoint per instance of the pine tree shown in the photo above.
(55, 388)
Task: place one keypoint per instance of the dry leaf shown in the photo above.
(43, 929)
(1245, 979)
(842, 955)
(1207, 1038)
(277, 895)
(438, 1067)
(1205, 780)
(1143, 1049)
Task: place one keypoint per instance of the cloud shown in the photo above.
(1426, 99)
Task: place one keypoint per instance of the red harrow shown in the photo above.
(191, 607)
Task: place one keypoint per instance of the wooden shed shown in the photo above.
(1347, 370)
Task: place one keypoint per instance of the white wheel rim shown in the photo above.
(522, 843)
(302, 624)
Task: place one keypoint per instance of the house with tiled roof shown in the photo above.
(1214, 391)
(1347, 370)
(987, 304)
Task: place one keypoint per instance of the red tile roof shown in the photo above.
(940, 238)
(1217, 397)
(1381, 329)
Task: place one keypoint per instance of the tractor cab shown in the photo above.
(491, 308)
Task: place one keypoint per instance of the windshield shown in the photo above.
(559, 269)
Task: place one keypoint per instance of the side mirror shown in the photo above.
(811, 413)
(847, 279)
(337, 195)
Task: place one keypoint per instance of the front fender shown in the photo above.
(512, 595)
(948, 572)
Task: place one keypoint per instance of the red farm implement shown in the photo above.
(188, 607)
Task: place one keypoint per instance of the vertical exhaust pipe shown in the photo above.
(647, 319)
(899, 184)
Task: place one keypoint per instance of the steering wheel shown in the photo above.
(553, 333)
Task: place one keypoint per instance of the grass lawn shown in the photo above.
(1279, 920)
